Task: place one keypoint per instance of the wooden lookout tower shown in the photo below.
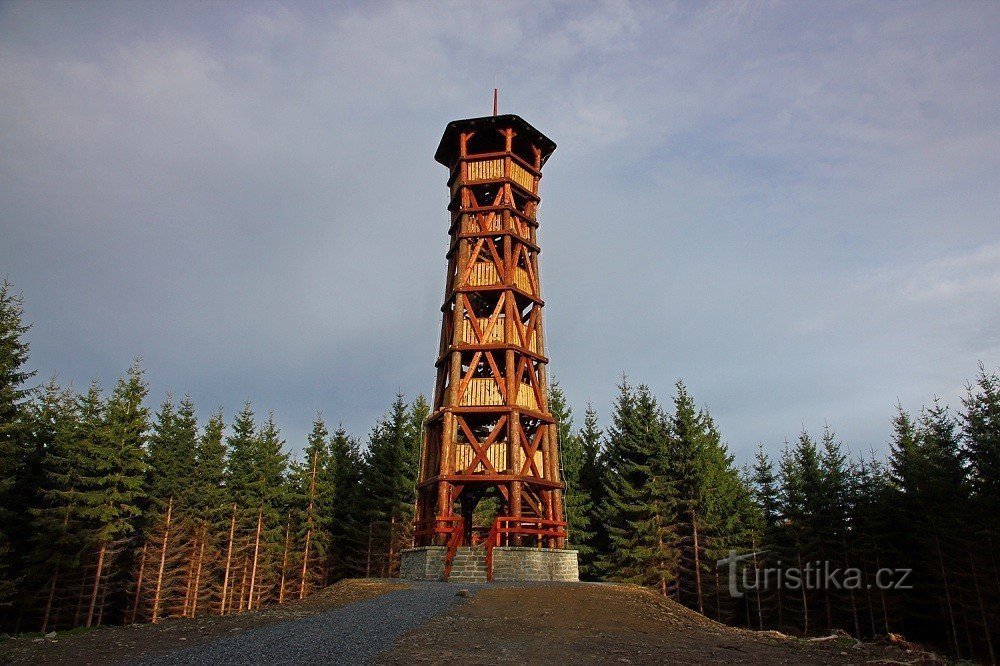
(490, 434)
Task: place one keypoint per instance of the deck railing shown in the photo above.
(495, 335)
(498, 457)
(479, 171)
(506, 526)
(483, 391)
(485, 274)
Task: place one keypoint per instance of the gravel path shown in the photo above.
(352, 634)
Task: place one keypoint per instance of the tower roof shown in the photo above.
(447, 150)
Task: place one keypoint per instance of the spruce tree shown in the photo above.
(764, 539)
(15, 439)
(241, 445)
(579, 506)
(58, 533)
(634, 523)
(344, 517)
(389, 480)
(210, 492)
(270, 493)
(175, 532)
(113, 490)
(313, 495)
(212, 511)
(712, 504)
(981, 439)
(590, 482)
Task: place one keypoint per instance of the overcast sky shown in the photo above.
(793, 207)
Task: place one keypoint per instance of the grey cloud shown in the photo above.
(791, 207)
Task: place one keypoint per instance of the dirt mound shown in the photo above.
(113, 645)
(599, 624)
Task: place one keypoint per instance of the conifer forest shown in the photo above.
(119, 507)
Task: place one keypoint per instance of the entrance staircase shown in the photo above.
(468, 565)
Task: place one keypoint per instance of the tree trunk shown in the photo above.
(309, 525)
(97, 583)
(80, 597)
(243, 581)
(697, 563)
(256, 554)
(163, 562)
(305, 564)
(284, 559)
(718, 598)
(854, 603)
(138, 584)
(805, 598)
(48, 602)
(55, 579)
(947, 595)
(392, 535)
(881, 592)
(197, 574)
(192, 563)
(982, 609)
(101, 606)
(368, 562)
(229, 561)
(756, 587)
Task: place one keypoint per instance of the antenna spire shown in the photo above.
(496, 94)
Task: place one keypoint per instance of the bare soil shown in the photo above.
(584, 623)
(114, 645)
(604, 624)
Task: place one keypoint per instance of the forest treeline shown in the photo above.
(657, 500)
(114, 511)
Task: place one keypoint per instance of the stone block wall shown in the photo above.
(509, 564)
(426, 563)
(535, 564)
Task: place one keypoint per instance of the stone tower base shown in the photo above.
(509, 564)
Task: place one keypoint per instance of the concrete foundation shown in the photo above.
(509, 564)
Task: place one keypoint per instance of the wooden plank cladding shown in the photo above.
(483, 274)
(479, 223)
(522, 281)
(465, 454)
(519, 462)
(481, 171)
(522, 177)
(484, 391)
(484, 170)
(474, 224)
(497, 455)
(526, 397)
(494, 336)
